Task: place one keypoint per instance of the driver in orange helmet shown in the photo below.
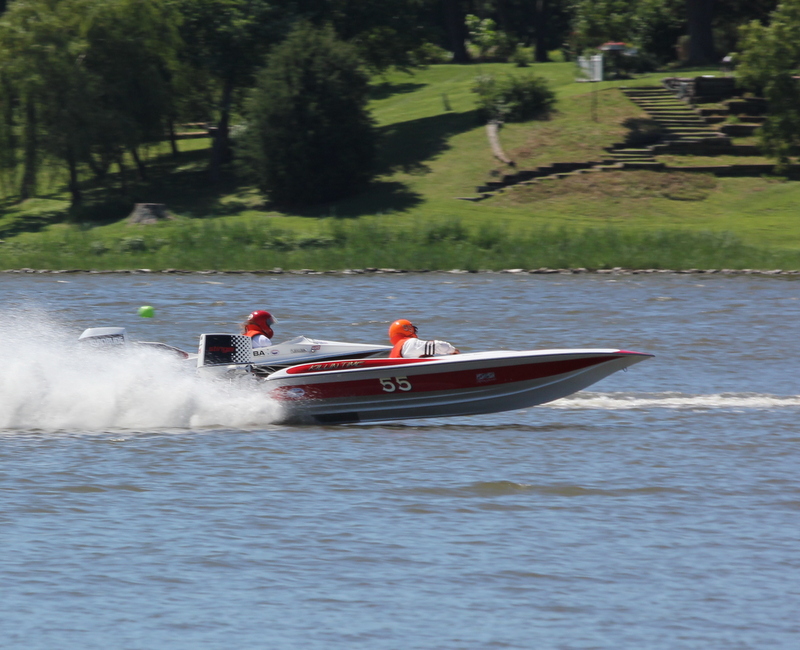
(403, 336)
(258, 328)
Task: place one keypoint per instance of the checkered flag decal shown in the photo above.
(244, 349)
(224, 349)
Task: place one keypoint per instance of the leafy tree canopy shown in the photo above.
(770, 64)
(85, 79)
(309, 137)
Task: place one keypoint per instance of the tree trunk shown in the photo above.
(456, 30)
(99, 166)
(30, 168)
(74, 189)
(502, 15)
(123, 174)
(540, 20)
(9, 153)
(139, 164)
(173, 141)
(221, 149)
(701, 36)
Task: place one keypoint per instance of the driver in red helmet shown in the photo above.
(403, 336)
(258, 328)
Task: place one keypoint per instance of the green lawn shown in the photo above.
(433, 150)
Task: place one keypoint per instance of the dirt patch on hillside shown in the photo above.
(604, 186)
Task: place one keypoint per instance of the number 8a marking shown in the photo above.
(392, 384)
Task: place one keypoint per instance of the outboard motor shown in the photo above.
(104, 336)
(116, 337)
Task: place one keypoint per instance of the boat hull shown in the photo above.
(468, 384)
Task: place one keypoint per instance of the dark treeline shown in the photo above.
(88, 83)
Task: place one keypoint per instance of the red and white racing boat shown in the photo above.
(320, 385)
(465, 384)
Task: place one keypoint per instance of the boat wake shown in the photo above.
(675, 401)
(50, 381)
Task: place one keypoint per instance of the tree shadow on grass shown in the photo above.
(387, 89)
(182, 182)
(379, 197)
(642, 131)
(403, 147)
(406, 146)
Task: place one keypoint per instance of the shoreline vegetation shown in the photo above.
(433, 150)
(382, 271)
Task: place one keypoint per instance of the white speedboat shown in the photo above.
(332, 382)
(234, 353)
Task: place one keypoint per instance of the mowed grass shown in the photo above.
(433, 150)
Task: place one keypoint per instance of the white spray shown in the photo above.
(48, 380)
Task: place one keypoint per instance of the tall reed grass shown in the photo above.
(340, 244)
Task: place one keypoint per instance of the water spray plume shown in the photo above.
(49, 380)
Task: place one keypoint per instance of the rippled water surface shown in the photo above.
(142, 508)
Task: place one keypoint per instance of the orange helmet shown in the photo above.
(260, 320)
(402, 329)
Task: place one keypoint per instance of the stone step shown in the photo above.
(676, 124)
(678, 110)
(657, 100)
(739, 130)
(631, 156)
(663, 107)
(686, 131)
(686, 139)
(631, 150)
(643, 165)
(674, 116)
(679, 120)
(649, 96)
(638, 92)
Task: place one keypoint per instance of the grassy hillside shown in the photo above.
(433, 151)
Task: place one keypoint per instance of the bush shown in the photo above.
(430, 54)
(513, 98)
(309, 137)
(521, 56)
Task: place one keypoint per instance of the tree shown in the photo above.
(657, 27)
(699, 14)
(132, 51)
(598, 22)
(85, 81)
(455, 14)
(309, 137)
(43, 55)
(386, 34)
(769, 64)
(736, 13)
(227, 40)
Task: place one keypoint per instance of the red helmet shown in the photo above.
(402, 329)
(260, 320)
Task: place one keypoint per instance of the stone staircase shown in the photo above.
(682, 129)
(678, 120)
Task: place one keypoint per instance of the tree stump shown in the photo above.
(147, 213)
(492, 131)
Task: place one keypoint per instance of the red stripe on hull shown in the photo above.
(324, 366)
(451, 380)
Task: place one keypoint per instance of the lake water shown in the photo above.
(142, 508)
